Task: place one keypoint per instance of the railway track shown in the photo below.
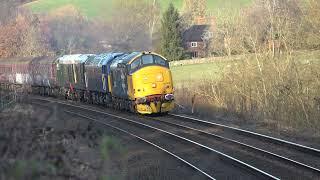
(304, 156)
(208, 161)
(285, 166)
(209, 139)
(101, 122)
(254, 134)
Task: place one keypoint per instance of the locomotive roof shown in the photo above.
(74, 58)
(125, 58)
(114, 57)
(89, 59)
(103, 59)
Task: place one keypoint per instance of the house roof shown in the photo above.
(194, 33)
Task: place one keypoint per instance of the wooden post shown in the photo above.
(193, 101)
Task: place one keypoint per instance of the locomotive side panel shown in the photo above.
(119, 83)
(71, 71)
(78, 79)
(93, 77)
(63, 75)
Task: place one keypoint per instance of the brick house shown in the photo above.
(195, 40)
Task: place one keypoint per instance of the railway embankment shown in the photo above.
(45, 143)
(214, 150)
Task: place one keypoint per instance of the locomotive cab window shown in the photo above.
(135, 65)
(160, 61)
(147, 60)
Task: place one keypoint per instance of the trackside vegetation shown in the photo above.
(282, 92)
(274, 77)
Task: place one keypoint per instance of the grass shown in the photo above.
(100, 8)
(194, 72)
(216, 4)
(216, 69)
(92, 8)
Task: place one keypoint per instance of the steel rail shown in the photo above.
(254, 134)
(174, 135)
(296, 163)
(146, 141)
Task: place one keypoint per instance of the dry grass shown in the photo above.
(283, 92)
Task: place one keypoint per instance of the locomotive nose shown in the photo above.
(151, 78)
(159, 77)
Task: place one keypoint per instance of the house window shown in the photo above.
(194, 54)
(194, 44)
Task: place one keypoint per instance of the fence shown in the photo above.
(207, 60)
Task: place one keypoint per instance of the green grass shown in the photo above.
(197, 72)
(89, 8)
(216, 70)
(98, 8)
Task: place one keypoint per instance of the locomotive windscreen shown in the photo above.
(147, 60)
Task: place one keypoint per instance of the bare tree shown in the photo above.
(153, 17)
(267, 25)
(274, 24)
(65, 34)
(227, 38)
(310, 34)
(21, 37)
(195, 10)
(7, 10)
(132, 25)
(73, 34)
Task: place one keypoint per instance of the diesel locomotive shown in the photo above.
(139, 81)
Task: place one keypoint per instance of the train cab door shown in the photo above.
(119, 79)
(105, 79)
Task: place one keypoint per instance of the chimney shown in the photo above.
(200, 20)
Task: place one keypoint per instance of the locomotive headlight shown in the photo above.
(141, 100)
(159, 77)
(169, 97)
